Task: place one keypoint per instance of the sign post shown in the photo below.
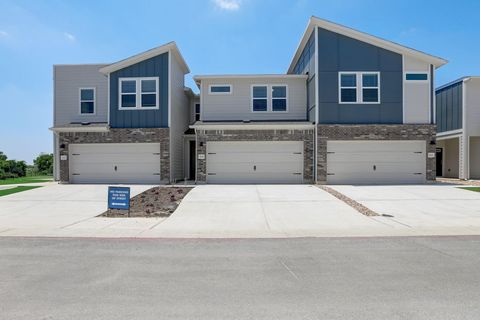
(119, 198)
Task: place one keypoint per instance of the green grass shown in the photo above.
(476, 189)
(6, 192)
(26, 180)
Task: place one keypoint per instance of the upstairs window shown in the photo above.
(87, 101)
(259, 98)
(220, 89)
(139, 93)
(197, 111)
(416, 76)
(279, 98)
(359, 87)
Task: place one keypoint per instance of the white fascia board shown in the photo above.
(253, 126)
(449, 134)
(80, 129)
(147, 55)
(364, 37)
(251, 76)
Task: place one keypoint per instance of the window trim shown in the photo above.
(416, 72)
(80, 101)
(359, 86)
(269, 97)
(138, 93)
(219, 85)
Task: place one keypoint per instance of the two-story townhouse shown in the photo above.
(458, 128)
(372, 101)
(122, 122)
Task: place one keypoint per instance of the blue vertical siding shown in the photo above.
(338, 53)
(153, 67)
(448, 107)
(306, 65)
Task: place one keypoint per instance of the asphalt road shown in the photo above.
(377, 278)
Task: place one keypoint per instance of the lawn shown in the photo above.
(476, 189)
(26, 180)
(6, 192)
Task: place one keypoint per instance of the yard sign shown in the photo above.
(119, 198)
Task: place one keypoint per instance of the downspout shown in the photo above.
(465, 137)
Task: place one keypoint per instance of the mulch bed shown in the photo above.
(458, 181)
(352, 203)
(154, 202)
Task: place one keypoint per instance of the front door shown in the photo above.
(192, 160)
(439, 152)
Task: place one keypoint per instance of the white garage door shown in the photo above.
(255, 162)
(115, 163)
(375, 162)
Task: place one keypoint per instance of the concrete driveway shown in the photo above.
(427, 209)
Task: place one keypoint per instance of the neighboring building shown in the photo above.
(123, 122)
(352, 108)
(458, 129)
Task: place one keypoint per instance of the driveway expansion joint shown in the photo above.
(349, 201)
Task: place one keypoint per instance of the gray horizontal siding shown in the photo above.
(153, 67)
(338, 53)
(67, 81)
(237, 106)
(449, 108)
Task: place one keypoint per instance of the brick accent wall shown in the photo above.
(204, 136)
(134, 135)
(374, 132)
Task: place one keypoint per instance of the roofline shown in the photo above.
(365, 37)
(451, 83)
(80, 64)
(246, 76)
(170, 46)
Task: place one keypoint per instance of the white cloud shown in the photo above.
(229, 5)
(69, 36)
(409, 31)
(3, 34)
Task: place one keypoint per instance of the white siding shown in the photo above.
(67, 81)
(472, 106)
(237, 106)
(180, 113)
(474, 157)
(416, 94)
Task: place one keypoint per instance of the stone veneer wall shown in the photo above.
(425, 132)
(203, 136)
(134, 135)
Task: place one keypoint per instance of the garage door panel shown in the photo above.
(367, 162)
(255, 162)
(96, 163)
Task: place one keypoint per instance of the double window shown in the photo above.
(138, 93)
(359, 87)
(269, 98)
(220, 89)
(87, 101)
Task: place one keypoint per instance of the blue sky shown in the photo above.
(215, 36)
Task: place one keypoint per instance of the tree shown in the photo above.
(3, 156)
(44, 163)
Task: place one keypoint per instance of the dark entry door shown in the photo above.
(439, 160)
(192, 161)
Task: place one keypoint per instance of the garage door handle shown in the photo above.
(211, 153)
(297, 173)
(418, 152)
(115, 168)
(254, 168)
(156, 153)
(374, 167)
(211, 174)
(75, 154)
(156, 174)
(297, 153)
(418, 173)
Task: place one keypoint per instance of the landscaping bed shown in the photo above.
(154, 202)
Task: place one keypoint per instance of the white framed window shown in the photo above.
(260, 98)
(138, 93)
(416, 76)
(359, 87)
(279, 98)
(220, 89)
(269, 98)
(86, 101)
(197, 111)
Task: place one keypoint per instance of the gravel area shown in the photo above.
(458, 181)
(154, 202)
(352, 203)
